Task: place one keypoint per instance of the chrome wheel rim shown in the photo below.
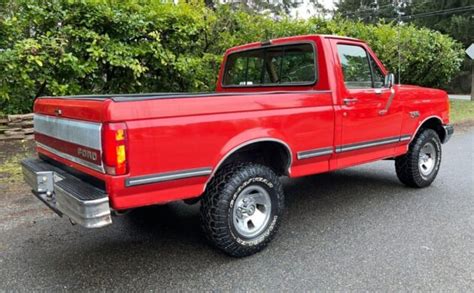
(427, 159)
(251, 211)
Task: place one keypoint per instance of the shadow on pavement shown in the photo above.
(167, 239)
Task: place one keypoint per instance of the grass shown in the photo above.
(462, 111)
(10, 157)
(10, 170)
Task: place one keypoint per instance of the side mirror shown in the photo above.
(389, 80)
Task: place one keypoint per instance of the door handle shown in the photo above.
(348, 101)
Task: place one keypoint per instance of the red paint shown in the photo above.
(166, 135)
(81, 152)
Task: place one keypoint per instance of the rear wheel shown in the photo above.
(420, 165)
(241, 208)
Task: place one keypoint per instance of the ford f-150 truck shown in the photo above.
(286, 107)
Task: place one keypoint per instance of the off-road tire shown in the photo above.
(217, 207)
(407, 166)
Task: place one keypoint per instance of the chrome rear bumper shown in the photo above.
(67, 195)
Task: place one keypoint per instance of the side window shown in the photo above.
(379, 77)
(275, 65)
(355, 66)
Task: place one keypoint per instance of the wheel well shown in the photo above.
(436, 125)
(272, 154)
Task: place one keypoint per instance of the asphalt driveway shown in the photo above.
(355, 229)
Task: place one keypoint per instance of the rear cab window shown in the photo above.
(285, 65)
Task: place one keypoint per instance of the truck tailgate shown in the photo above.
(93, 110)
(71, 129)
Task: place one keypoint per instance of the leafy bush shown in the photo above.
(64, 47)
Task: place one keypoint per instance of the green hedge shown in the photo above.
(143, 46)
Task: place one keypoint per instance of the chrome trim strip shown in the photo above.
(405, 137)
(350, 147)
(368, 144)
(314, 153)
(71, 158)
(83, 133)
(162, 177)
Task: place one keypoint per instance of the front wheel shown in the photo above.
(241, 209)
(420, 165)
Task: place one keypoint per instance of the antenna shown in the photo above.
(400, 5)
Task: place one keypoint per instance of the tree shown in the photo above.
(264, 6)
(453, 17)
(275, 8)
(368, 11)
(127, 46)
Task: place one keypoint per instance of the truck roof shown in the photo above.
(340, 37)
(289, 39)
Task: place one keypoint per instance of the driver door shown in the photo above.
(371, 115)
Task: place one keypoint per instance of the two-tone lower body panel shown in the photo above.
(67, 195)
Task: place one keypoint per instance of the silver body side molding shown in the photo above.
(351, 147)
(168, 176)
(314, 153)
(405, 137)
(373, 143)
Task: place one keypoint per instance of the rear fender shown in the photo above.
(246, 138)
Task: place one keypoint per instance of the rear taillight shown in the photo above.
(114, 147)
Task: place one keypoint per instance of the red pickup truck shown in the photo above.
(287, 107)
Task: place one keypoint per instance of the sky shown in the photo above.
(329, 4)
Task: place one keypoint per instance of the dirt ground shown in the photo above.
(18, 205)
